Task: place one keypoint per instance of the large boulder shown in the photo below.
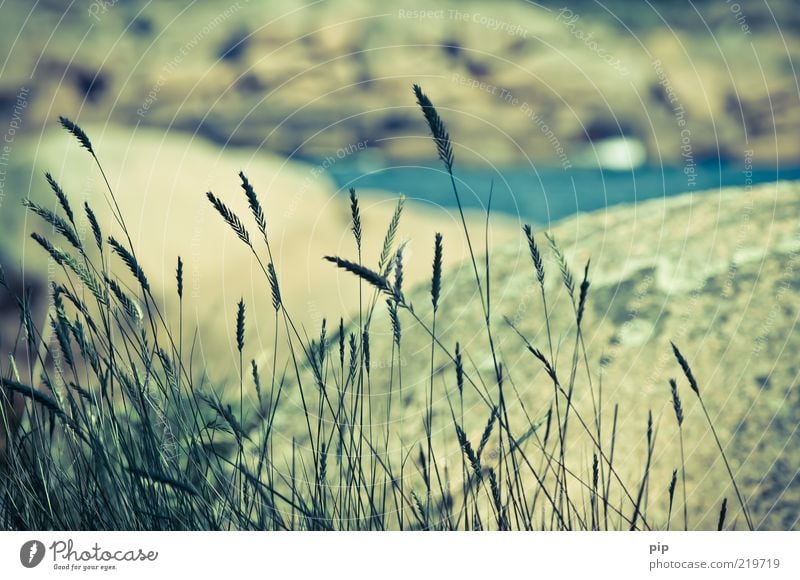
(715, 272)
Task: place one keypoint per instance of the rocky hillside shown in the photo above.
(527, 80)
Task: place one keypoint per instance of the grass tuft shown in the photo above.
(230, 218)
(355, 214)
(179, 277)
(273, 285)
(373, 278)
(441, 137)
(687, 370)
(78, 133)
(436, 280)
(62, 197)
(130, 262)
(536, 255)
(96, 232)
(61, 226)
(255, 205)
(240, 325)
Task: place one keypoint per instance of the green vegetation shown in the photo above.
(119, 431)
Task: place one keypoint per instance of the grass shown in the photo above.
(120, 430)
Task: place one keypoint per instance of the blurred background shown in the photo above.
(546, 99)
(557, 108)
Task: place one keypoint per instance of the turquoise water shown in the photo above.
(542, 195)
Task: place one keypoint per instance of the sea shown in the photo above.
(543, 195)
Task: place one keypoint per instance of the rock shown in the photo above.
(715, 272)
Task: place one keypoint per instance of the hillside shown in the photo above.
(528, 80)
(714, 272)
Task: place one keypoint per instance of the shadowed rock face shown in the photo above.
(520, 78)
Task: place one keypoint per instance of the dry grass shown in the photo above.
(121, 430)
